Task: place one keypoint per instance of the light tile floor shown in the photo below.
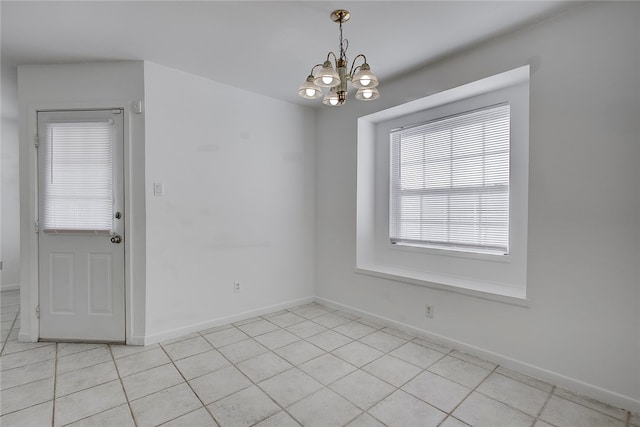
(310, 365)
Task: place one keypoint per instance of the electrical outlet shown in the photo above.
(236, 287)
(428, 311)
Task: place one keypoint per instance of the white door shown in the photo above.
(81, 225)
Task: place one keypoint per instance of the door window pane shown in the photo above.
(78, 176)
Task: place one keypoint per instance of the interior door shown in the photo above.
(81, 225)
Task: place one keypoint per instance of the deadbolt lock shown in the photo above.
(118, 215)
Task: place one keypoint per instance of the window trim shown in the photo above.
(503, 277)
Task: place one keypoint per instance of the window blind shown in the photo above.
(77, 181)
(450, 182)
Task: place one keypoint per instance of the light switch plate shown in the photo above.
(158, 189)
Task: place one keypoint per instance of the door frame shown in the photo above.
(30, 296)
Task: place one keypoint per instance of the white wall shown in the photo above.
(9, 189)
(71, 86)
(238, 175)
(582, 328)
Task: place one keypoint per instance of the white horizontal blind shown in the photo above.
(450, 182)
(78, 176)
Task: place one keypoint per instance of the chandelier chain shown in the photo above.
(344, 45)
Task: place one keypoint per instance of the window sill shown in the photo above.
(490, 291)
(450, 252)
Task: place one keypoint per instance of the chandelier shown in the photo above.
(361, 76)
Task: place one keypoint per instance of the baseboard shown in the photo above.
(25, 337)
(9, 287)
(174, 333)
(577, 386)
(135, 340)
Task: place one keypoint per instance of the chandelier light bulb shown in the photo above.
(327, 76)
(309, 90)
(368, 94)
(332, 98)
(365, 78)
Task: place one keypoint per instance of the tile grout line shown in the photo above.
(450, 353)
(450, 413)
(388, 353)
(30, 406)
(186, 413)
(80, 390)
(136, 372)
(569, 399)
(96, 385)
(113, 359)
(535, 417)
(328, 352)
(366, 411)
(97, 346)
(24, 366)
(146, 348)
(254, 383)
(404, 339)
(44, 344)
(173, 362)
(423, 370)
(282, 408)
(97, 413)
(353, 419)
(546, 401)
(551, 394)
(323, 386)
(55, 384)
(269, 350)
(4, 343)
(384, 353)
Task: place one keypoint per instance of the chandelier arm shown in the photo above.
(354, 70)
(335, 57)
(353, 64)
(344, 51)
(313, 68)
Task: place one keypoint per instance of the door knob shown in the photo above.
(116, 239)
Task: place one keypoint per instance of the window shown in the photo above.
(442, 189)
(77, 184)
(450, 182)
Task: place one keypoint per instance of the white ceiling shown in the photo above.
(264, 46)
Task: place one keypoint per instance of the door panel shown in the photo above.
(61, 282)
(100, 280)
(80, 167)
